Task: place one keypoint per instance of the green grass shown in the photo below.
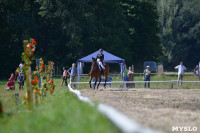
(62, 113)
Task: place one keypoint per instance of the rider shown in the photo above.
(100, 58)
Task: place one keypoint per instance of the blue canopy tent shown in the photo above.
(108, 58)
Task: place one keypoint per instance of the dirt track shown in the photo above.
(156, 108)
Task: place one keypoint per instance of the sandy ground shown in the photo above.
(155, 108)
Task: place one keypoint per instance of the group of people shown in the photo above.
(20, 79)
(72, 74)
(181, 68)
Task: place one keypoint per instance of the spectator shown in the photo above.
(130, 78)
(181, 68)
(72, 72)
(20, 67)
(12, 79)
(21, 81)
(147, 73)
(9, 85)
(196, 70)
(64, 77)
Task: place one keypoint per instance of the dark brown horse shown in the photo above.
(96, 73)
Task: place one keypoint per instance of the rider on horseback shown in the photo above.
(100, 58)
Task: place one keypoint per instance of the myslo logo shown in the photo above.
(184, 129)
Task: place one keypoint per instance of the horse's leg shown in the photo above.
(99, 82)
(90, 81)
(106, 77)
(95, 82)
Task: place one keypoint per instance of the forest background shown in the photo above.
(165, 31)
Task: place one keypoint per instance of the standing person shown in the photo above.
(21, 67)
(100, 59)
(64, 77)
(147, 73)
(181, 68)
(130, 77)
(12, 79)
(196, 70)
(72, 72)
(21, 81)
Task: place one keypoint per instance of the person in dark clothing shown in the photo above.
(100, 59)
(21, 81)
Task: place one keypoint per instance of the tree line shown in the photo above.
(136, 30)
(180, 32)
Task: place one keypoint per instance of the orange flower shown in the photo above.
(34, 91)
(35, 100)
(24, 106)
(38, 90)
(36, 77)
(26, 96)
(33, 82)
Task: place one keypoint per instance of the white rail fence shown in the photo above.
(125, 82)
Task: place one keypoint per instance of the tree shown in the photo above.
(179, 32)
(143, 29)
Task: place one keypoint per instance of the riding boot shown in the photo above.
(102, 71)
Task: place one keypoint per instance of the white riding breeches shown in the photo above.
(100, 64)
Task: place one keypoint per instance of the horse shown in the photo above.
(96, 73)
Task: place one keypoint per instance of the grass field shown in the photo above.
(61, 112)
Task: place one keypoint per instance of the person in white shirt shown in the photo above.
(21, 67)
(181, 68)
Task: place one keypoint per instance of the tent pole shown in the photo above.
(78, 73)
(125, 72)
(198, 72)
(122, 71)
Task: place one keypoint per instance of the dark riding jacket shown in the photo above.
(101, 57)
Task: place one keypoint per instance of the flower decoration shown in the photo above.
(25, 102)
(29, 49)
(35, 88)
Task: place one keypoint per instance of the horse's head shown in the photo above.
(94, 63)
